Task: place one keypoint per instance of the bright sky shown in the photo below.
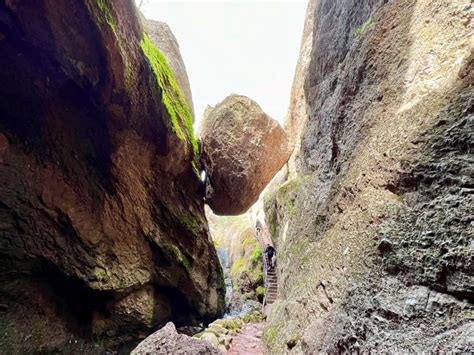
(247, 47)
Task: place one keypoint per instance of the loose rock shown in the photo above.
(168, 341)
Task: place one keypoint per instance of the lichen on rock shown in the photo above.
(173, 98)
(372, 217)
(242, 148)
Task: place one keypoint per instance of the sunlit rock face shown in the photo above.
(242, 149)
(161, 35)
(373, 222)
(103, 236)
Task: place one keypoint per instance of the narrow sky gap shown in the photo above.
(243, 47)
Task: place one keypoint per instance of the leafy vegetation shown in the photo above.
(260, 291)
(256, 254)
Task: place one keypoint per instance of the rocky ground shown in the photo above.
(231, 335)
(248, 341)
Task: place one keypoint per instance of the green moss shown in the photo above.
(230, 323)
(260, 291)
(106, 14)
(269, 334)
(237, 266)
(290, 205)
(257, 274)
(360, 29)
(256, 254)
(198, 335)
(190, 223)
(173, 98)
(181, 257)
(252, 316)
(248, 238)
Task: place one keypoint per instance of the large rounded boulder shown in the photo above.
(242, 149)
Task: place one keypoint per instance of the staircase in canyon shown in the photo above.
(271, 282)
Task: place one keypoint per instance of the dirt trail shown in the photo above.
(248, 341)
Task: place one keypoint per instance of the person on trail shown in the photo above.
(270, 252)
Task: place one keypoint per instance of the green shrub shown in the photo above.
(256, 254)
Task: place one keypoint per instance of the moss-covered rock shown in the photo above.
(237, 236)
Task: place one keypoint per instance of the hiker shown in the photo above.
(270, 252)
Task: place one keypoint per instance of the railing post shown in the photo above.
(265, 281)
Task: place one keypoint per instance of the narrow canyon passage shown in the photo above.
(133, 221)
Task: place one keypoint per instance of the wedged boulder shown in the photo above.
(162, 36)
(242, 149)
(103, 235)
(168, 341)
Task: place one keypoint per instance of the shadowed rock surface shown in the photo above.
(375, 217)
(103, 236)
(168, 341)
(161, 35)
(243, 148)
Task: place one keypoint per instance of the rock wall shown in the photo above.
(235, 237)
(373, 224)
(103, 236)
(161, 35)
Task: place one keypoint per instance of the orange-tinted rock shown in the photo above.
(243, 148)
(101, 226)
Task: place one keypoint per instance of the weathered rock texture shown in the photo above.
(243, 148)
(168, 341)
(374, 223)
(102, 233)
(161, 35)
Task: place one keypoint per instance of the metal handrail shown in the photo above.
(265, 277)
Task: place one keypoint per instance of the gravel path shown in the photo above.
(248, 341)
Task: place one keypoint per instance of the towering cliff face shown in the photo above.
(161, 35)
(102, 234)
(373, 224)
